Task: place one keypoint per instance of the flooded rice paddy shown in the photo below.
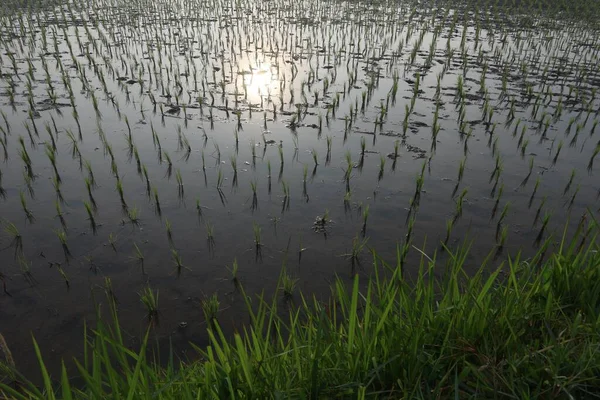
(164, 152)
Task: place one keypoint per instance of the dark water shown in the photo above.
(131, 55)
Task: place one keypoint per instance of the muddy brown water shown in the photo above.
(256, 52)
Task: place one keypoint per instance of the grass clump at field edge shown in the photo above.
(529, 329)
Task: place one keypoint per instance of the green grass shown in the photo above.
(528, 329)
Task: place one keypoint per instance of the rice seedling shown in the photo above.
(149, 299)
(558, 149)
(210, 309)
(210, 234)
(526, 179)
(535, 188)
(62, 238)
(26, 210)
(25, 268)
(358, 246)
(449, 226)
(288, 285)
(570, 182)
(286, 195)
(219, 179)
(590, 165)
(501, 238)
(459, 204)
(234, 272)
(133, 214)
(540, 234)
(257, 235)
(138, 256)
(119, 187)
(16, 239)
(177, 261)
(572, 199)
(381, 167)
(281, 160)
(365, 217)
(169, 162)
(253, 186)
(156, 201)
(169, 229)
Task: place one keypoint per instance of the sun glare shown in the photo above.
(259, 81)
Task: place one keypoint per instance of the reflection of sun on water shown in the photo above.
(259, 82)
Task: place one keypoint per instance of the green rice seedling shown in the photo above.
(210, 309)
(133, 214)
(253, 186)
(169, 162)
(449, 226)
(233, 161)
(503, 214)
(572, 200)
(89, 187)
(234, 272)
(119, 187)
(288, 285)
(179, 178)
(169, 230)
(461, 169)
(358, 246)
(219, 179)
(315, 156)
(217, 151)
(25, 268)
(524, 148)
(257, 235)
(62, 238)
(51, 154)
(363, 145)
(24, 155)
(501, 238)
(149, 299)
(570, 182)
(281, 160)
(27, 211)
(497, 201)
(286, 195)
(590, 165)
(4, 148)
(347, 198)
(156, 201)
(177, 261)
(147, 178)
(381, 167)
(253, 151)
(304, 177)
(210, 234)
(63, 274)
(349, 167)
(138, 256)
(558, 149)
(540, 234)
(2, 190)
(89, 210)
(365, 217)
(539, 211)
(16, 238)
(526, 179)
(459, 204)
(535, 188)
